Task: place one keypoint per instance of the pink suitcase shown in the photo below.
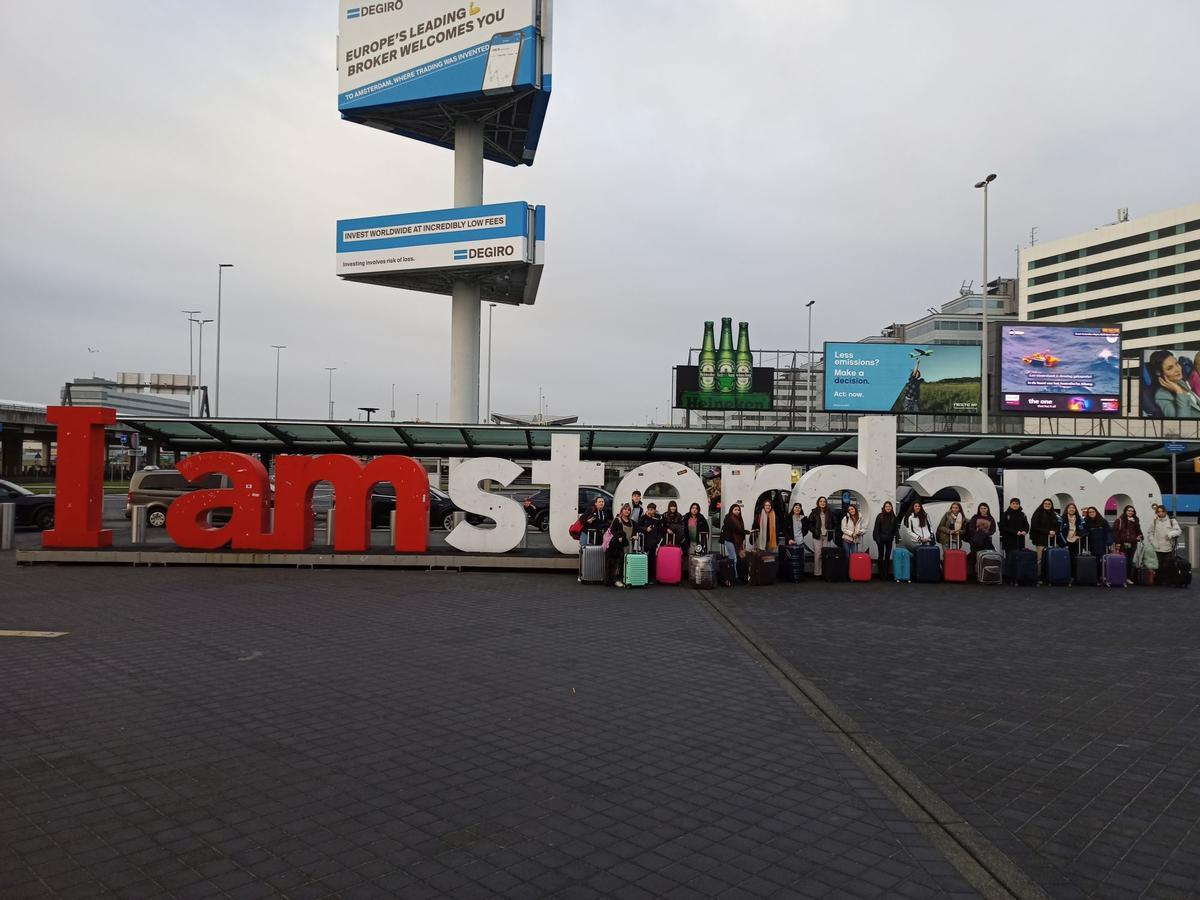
(668, 564)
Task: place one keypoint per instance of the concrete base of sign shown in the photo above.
(526, 562)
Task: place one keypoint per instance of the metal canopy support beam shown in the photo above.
(708, 448)
(653, 440)
(467, 439)
(1064, 455)
(343, 436)
(282, 437)
(775, 442)
(529, 441)
(221, 436)
(952, 448)
(412, 448)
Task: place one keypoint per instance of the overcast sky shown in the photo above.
(699, 159)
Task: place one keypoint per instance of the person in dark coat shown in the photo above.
(1099, 536)
(695, 531)
(1072, 531)
(884, 533)
(1042, 525)
(733, 535)
(825, 528)
(981, 530)
(623, 529)
(1127, 533)
(673, 521)
(1014, 526)
(650, 527)
(596, 519)
(794, 526)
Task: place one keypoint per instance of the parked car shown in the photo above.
(33, 510)
(537, 505)
(441, 508)
(155, 489)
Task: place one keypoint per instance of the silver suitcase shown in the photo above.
(989, 567)
(593, 560)
(702, 571)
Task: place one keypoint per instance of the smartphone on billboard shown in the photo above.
(504, 55)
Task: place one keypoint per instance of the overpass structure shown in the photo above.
(268, 437)
(21, 422)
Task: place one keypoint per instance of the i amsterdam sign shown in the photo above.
(80, 491)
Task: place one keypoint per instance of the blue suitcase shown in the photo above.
(1058, 566)
(1023, 567)
(902, 564)
(927, 564)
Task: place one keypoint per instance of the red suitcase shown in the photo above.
(860, 566)
(668, 561)
(954, 563)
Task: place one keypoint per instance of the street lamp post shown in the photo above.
(809, 379)
(221, 267)
(200, 367)
(331, 370)
(277, 348)
(189, 313)
(983, 369)
(393, 409)
(491, 309)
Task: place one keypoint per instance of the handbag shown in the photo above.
(576, 530)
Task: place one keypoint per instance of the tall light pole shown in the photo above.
(277, 348)
(393, 409)
(221, 267)
(491, 309)
(331, 370)
(200, 368)
(983, 369)
(418, 419)
(189, 313)
(809, 379)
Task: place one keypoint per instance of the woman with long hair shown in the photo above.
(1127, 534)
(1073, 529)
(917, 523)
(981, 529)
(595, 520)
(695, 531)
(767, 537)
(885, 532)
(1172, 392)
(733, 535)
(852, 530)
(952, 527)
(793, 526)
(821, 525)
(1042, 526)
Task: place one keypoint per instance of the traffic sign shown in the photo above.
(123, 438)
(1175, 447)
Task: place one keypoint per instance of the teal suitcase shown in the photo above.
(637, 565)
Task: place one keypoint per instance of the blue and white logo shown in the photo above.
(353, 12)
(461, 254)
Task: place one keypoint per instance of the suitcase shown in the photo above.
(592, 561)
(1058, 565)
(702, 571)
(833, 564)
(763, 566)
(860, 566)
(1114, 569)
(927, 564)
(954, 563)
(1087, 569)
(1023, 567)
(791, 563)
(989, 567)
(637, 565)
(726, 571)
(1174, 571)
(902, 564)
(668, 561)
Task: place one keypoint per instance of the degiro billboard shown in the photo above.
(396, 54)
(285, 524)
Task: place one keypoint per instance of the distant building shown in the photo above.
(126, 400)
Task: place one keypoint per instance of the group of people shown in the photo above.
(1079, 531)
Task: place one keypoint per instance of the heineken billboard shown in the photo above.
(725, 377)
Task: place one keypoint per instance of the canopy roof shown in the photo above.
(618, 443)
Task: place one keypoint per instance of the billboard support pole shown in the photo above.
(1174, 485)
(465, 311)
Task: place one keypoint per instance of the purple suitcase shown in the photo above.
(1113, 569)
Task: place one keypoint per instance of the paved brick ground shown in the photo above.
(1063, 723)
(257, 733)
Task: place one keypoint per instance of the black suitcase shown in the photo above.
(1023, 567)
(726, 571)
(1174, 571)
(762, 567)
(834, 565)
(791, 563)
(1087, 570)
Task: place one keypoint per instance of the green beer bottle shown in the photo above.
(708, 361)
(725, 363)
(743, 361)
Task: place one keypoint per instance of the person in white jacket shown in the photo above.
(917, 523)
(853, 529)
(1162, 533)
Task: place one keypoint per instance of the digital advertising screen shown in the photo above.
(1169, 383)
(902, 378)
(690, 393)
(1072, 369)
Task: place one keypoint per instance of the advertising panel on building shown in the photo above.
(1060, 368)
(1169, 384)
(502, 245)
(902, 378)
(726, 377)
(483, 59)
